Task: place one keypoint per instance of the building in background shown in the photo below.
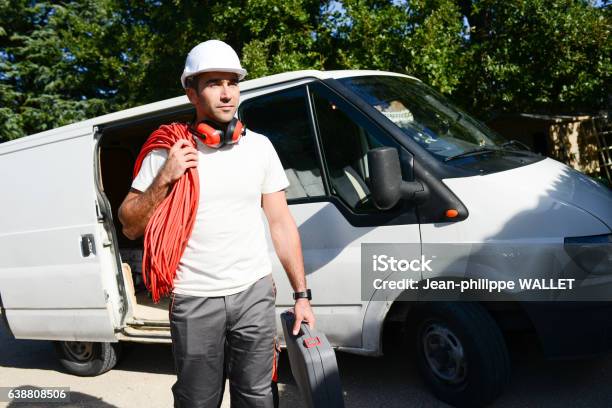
(584, 142)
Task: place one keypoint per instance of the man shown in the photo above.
(223, 292)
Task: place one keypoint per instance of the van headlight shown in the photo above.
(592, 253)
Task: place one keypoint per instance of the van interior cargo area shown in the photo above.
(119, 146)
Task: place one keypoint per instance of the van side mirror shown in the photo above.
(386, 182)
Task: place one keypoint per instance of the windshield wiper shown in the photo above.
(480, 150)
(515, 143)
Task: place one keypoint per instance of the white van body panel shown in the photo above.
(540, 203)
(49, 289)
(332, 260)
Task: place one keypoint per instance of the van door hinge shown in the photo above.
(99, 214)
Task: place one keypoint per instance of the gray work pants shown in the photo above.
(230, 335)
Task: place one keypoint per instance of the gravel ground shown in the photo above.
(146, 372)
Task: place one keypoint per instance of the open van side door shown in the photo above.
(58, 276)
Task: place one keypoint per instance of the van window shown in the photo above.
(283, 118)
(346, 137)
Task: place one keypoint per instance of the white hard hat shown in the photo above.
(212, 55)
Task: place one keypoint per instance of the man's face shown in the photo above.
(216, 97)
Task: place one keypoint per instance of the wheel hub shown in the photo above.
(444, 353)
(79, 350)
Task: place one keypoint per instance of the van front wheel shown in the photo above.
(461, 353)
(87, 358)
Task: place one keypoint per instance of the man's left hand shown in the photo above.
(303, 312)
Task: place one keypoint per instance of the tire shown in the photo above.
(461, 353)
(87, 358)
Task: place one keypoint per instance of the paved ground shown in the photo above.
(144, 377)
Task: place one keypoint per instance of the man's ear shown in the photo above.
(191, 94)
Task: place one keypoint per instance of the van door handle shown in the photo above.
(88, 245)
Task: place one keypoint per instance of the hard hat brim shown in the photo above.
(241, 73)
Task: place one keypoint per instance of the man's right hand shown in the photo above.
(138, 207)
(181, 156)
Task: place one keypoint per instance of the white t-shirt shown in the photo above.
(227, 250)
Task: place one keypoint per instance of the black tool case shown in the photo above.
(313, 364)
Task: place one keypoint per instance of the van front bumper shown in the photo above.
(572, 329)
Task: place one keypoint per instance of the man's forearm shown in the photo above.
(136, 213)
(288, 247)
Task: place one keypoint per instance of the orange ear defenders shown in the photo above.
(212, 136)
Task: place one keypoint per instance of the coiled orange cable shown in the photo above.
(170, 226)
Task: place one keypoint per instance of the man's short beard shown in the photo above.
(209, 115)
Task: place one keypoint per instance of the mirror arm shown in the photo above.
(412, 190)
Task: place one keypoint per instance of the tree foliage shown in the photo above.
(64, 61)
(45, 75)
(422, 38)
(537, 55)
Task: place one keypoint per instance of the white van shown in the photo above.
(68, 274)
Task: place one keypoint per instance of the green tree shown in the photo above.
(64, 61)
(270, 35)
(421, 37)
(53, 68)
(537, 56)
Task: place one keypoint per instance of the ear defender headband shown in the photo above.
(212, 136)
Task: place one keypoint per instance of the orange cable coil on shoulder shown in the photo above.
(171, 224)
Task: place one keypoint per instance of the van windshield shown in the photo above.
(428, 118)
